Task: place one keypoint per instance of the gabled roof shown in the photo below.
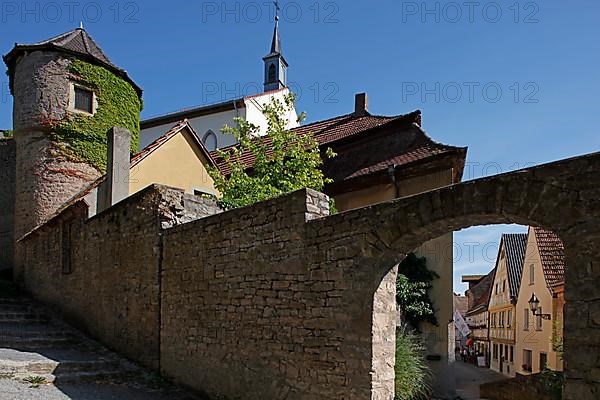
(152, 147)
(384, 141)
(76, 42)
(481, 293)
(514, 245)
(552, 256)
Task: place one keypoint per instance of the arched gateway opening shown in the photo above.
(563, 197)
(494, 353)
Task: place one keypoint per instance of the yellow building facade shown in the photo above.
(175, 159)
(502, 303)
(538, 337)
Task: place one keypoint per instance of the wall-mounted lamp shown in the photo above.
(534, 305)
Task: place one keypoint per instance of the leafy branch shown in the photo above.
(283, 160)
(412, 290)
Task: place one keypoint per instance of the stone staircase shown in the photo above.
(33, 343)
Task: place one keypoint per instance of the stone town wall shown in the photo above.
(273, 302)
(242, 315)
(7, 202)
(103, 274)
(521, 388)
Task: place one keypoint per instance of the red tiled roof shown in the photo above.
(421, 152)
(552, 255)
(406, 143)
(325, 132)
(337, 128)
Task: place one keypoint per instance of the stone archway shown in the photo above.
(563, 196)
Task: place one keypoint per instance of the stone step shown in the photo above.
(14, 300)
(12, 307)
(55, 362)
(20, 314)
(36, 342)
(10, 303)
(22, 318)
(80, 376)
(25, 321)
(32, 330)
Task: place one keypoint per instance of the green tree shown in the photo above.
(284, 161)
(412, 290)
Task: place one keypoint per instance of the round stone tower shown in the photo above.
(67, 95)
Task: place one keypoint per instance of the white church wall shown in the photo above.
(212, 122)
(255, 104)
(253, 112)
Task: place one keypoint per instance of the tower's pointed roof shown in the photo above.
(276, 50)
(276, 43)
(76, 42)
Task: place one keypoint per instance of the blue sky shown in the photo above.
(517, 82)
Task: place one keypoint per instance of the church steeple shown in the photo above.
(275, 64)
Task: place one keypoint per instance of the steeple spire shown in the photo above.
(276, 43)
(275, 64)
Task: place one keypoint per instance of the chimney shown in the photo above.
(116, 186)
(361, 104)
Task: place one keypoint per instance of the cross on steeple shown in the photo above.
(277, 9)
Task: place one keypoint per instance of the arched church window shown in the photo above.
(272, 73)
(210, 140)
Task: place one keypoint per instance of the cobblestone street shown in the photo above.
(469, 377)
